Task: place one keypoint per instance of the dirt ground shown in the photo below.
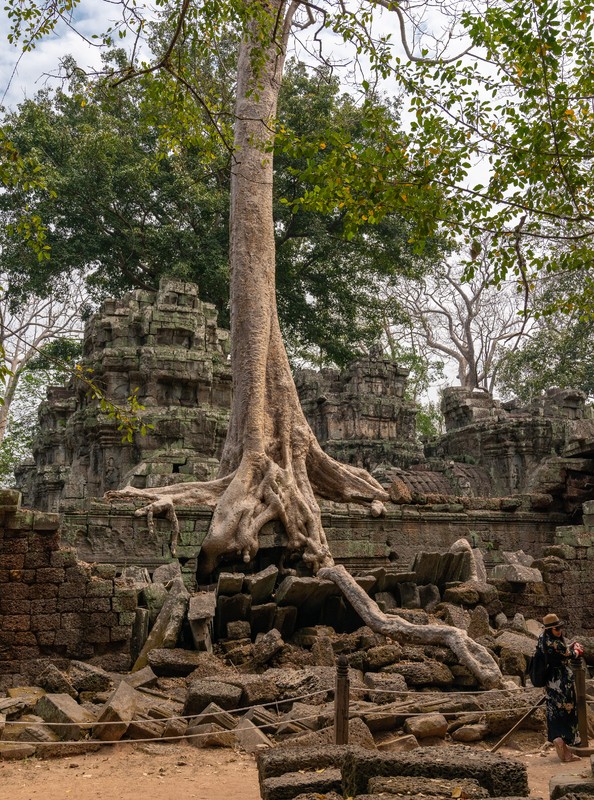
(171, 771)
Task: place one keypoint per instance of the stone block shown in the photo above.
(54, 681)
(262, 618)
(261, 585)
(561, 785)
(239, 629)
(500, 776)
(64, 715)
(153, 597)
(231, 609)
(166, 629)
(427, 787)
(144, 677)
(409, 595)
(175, 662)
(422, 673)
(285, 619)
(292, 784)
(516, 573)
(203, 692)
(230, 583)
(12, 751)
(423, 726)
(167, 573)
(384, 688)
(214, 713)
(209, 734)
(143, 727)
(140, 631)
(249, 737)
(117, 713)
(88, 678)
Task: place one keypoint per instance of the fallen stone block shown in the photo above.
(359, 734)
(11, 751)
(500, 776)
(230, 583)
(54, 681)
(175, 728)
(250, 738)
(203, 692)
(88, 678)
(64, 715)
(239, 629)
(230, 609)
(264, 649)
(470, 733)
(427, 787)
(173, 662)
(201, 611)
(427, 725)
(263, 718)
(516, 573)
(323, 652)
(117, 713)
(384, 688)
(207, 665)
(422, 673)
(168, 624)
(166, 573)
(261, 585)
(140, 632)
(153, 597)
(209, 734)
(135, 576)
(217, 715)
(255, 689)
(35, 731)
(561, 785)
(262, 618)
(144, 727)
(286, 787)
(143, 678)
(399, 744)
(285, 619)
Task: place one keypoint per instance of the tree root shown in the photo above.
(261, 491)
(164, 499)
(471, 654)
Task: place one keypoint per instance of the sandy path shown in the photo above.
(125, 772)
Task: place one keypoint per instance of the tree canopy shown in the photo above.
(132, 201)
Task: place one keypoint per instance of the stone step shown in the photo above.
(292, 784)
(561, 785)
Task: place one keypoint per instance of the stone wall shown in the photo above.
(568, 587)
(113, 534)
(51, 604)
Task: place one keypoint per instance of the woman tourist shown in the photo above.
(561, 706)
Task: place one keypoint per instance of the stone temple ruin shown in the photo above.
(87, 590)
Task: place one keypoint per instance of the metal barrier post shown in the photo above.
(341, 702)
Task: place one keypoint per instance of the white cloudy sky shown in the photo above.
(22, 75)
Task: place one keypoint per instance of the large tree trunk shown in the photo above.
(272, 465)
